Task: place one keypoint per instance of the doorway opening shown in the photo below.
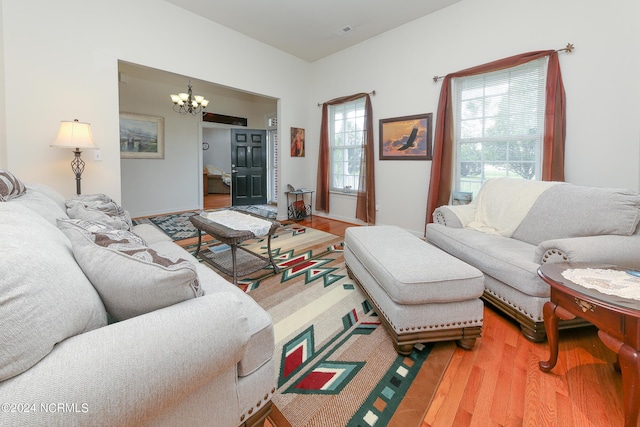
(144, 90)
(216, 161)
(240, 165)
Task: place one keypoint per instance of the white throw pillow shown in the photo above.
(97, 197)
(105, 211)
(44, 295)
(131, 278)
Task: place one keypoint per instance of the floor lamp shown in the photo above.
(75, 135)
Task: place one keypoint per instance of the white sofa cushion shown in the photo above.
(508, 260)
(44, 295)
(50, 193)
(131, 278)
(41, 204)
(568, 210)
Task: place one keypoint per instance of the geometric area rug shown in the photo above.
(336, 364)
(175, 225)
(178, 227)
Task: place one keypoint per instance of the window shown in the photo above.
(499, 125)
(346, 139)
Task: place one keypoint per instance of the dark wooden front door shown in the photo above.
(248, 167)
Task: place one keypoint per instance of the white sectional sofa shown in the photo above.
(513, 226)
(99, 336)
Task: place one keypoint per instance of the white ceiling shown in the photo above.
(306, 28)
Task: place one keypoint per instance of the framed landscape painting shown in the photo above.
(141, 137)
(406, 138)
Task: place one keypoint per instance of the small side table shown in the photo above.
(617, 320)
(297, 207)
(239, 263)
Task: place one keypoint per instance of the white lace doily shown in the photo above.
(610, 282)
(239, 221)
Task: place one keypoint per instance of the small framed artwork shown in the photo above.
(297, 142)
(406, 138)
(141, 137)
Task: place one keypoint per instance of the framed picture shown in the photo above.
(406, 138)
(297, 142)
(141, 137)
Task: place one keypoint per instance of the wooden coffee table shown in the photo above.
(232, 262)
(617, 320)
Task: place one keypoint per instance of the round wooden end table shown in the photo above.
(617, 320)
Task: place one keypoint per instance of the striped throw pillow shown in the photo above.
(10, 186)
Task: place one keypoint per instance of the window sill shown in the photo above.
(342, 193)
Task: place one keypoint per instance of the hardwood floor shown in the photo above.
(498, 382)
(216, 201)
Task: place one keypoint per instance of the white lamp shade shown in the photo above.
(74, 134)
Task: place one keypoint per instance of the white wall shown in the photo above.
(3, 126)
(219, 152)
(600, 77)
(67, 68)
(152, 186)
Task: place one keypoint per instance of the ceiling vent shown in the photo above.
(343, 31)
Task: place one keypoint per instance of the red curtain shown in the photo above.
(324, 162)
(366, 197)
(554, 127)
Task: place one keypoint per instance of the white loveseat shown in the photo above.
(513, 226)
(201, 361)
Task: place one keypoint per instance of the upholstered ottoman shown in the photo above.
(420, 293)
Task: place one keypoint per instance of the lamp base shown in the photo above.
(77, 166)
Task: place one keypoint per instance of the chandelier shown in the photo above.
(188, 103)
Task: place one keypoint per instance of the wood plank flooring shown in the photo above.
(498, 382)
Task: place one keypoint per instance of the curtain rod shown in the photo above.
(568, 48)
(373, 92)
